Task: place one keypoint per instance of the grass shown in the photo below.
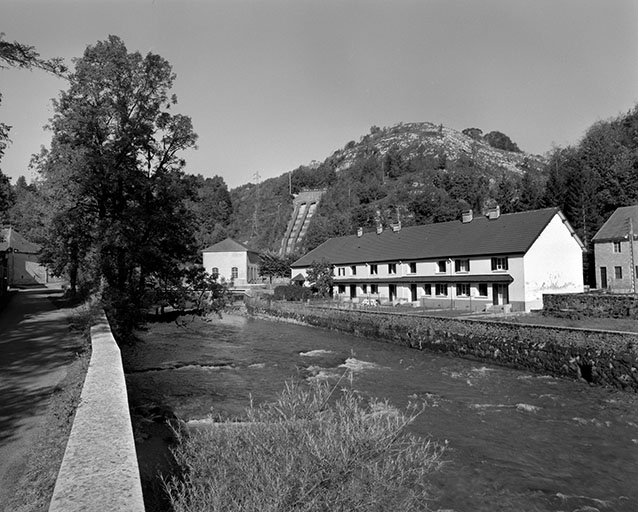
(306, 451)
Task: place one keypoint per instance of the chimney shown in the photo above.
(467, 216)
(359, 232)
(494, 213)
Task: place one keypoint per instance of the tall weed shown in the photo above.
(307, 451)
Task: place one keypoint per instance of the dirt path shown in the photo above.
(37, 352)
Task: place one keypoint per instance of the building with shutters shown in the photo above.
(616, 251)
(480, 263)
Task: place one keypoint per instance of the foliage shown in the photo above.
(210, 204)
(499, 140)
(321, 278)
(292, 292)
(305, 453)
(18, 55)
(21, 55)
(115, 178)
(272, 264)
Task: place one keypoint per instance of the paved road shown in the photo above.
(35, 350)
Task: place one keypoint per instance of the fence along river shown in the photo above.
(515, 441)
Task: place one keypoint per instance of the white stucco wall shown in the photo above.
(225, 261)
(554, 264)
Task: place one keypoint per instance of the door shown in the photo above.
(392, 290)
(353, 291)
(603, 277)
(500, 294)
(413, 292)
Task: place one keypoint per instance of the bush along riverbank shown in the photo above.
(308, 450)
(604, 358)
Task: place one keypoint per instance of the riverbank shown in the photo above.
(604, 358)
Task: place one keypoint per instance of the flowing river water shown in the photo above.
(515, 441)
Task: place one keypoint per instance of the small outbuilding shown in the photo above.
(21, 265)
(232, 262)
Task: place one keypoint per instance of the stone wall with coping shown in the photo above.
(600, 357)
(99, 470)
(598, 305)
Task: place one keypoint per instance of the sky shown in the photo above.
(274, 84)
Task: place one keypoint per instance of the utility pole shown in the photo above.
(631, 253)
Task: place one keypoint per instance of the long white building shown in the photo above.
(504, 262)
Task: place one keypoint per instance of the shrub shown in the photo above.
(292, 292)
(301, 454)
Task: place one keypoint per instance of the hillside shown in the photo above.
(416, 172)
(414, 140)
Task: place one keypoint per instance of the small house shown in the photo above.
(616, 251)
(232, 262)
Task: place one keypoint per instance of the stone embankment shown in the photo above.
(600, 357)
(100, 470)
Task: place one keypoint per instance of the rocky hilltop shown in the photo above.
(426, 139)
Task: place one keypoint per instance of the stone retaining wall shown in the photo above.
(598, 305)
(600, 357)
(99, 470)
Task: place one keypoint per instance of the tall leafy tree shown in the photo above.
(117, 176)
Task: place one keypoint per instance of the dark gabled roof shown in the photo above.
(11, 239)
(228, 245)
(617, 226)
(512, 233)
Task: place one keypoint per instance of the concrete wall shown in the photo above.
(599, 357)
(99, 470)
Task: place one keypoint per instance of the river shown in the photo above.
(515, 441)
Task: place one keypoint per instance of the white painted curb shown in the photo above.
(99, 470)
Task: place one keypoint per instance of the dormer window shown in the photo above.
(392, 268)
(353, 268)
(412, 266)
(441, 266)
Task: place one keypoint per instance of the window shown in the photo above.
(374, 288)
(234, 272)
(364, 288)
(499, 263)
(617, 247)
(461, 265)
(462, 290)
(341, 271)
(482, 289)
(215, 272)
(342, 288)
(392, 268)
(618, 272)
(427, 289)
(441, 265)
(441, 289)
(412, 267)
(374, 270)
(354, 270)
